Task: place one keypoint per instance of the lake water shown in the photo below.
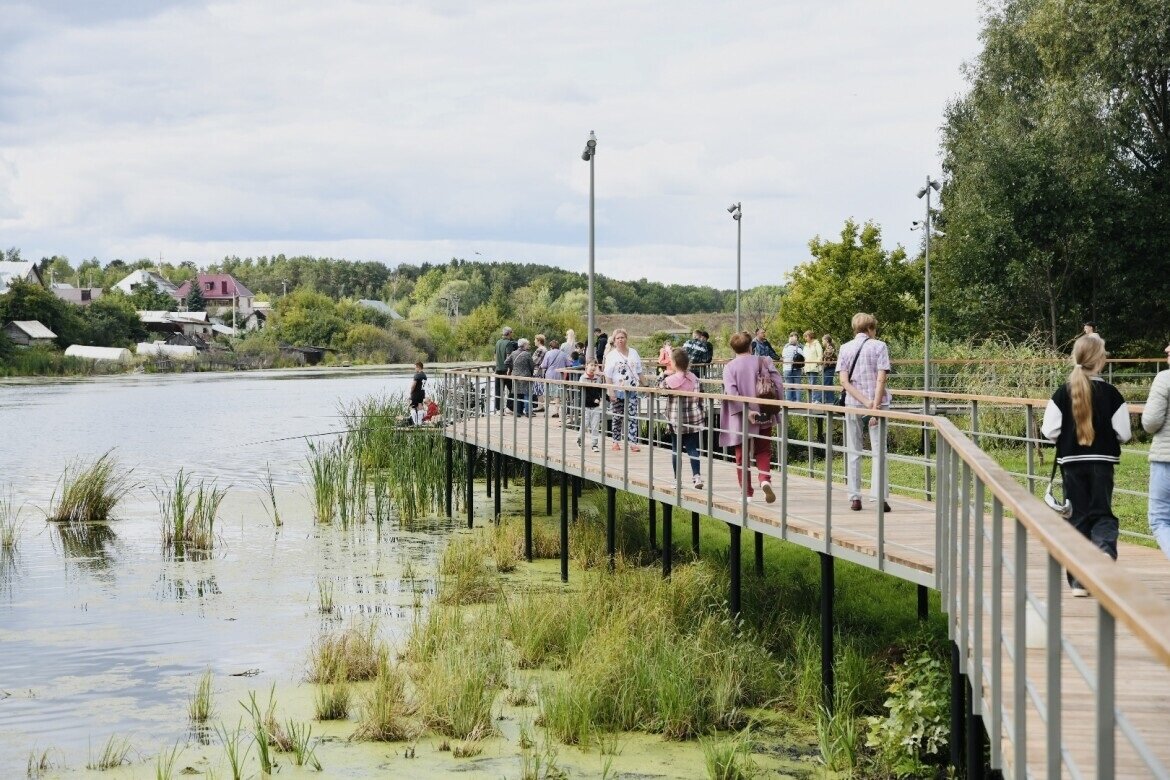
(101, 633)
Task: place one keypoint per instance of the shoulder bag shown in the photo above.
(1063, 509)
(844, 392)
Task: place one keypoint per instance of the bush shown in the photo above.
(914, 732)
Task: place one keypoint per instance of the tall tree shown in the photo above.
(851, 275)
(195, 299)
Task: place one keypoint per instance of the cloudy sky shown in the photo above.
(409, 132)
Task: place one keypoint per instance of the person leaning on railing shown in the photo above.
(1089, 421)
(1154, 421)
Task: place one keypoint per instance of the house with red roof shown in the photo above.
(220, 291)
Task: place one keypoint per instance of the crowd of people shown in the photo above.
(617, 370)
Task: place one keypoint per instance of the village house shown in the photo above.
(142, 278)
(189, 324)
(11, 271)
(29, 333)
(79, 296)
(220, 293)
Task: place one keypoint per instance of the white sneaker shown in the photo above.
(596, 448)
(697, 481)
(769, 494)
(1079, 592)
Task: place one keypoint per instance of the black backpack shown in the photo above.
(798, 361)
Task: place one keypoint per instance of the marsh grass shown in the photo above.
(331, 700)
(502, 546)
(88, 492)
(115, 753)
(39, 763)
(269, 486)
(300, 737)
(188, 512)
(350, 654)
(386, 714)
(464, 576)
(262, 736)
(728, 759)
(325, 596)
(164, 763)
(10, 522)
(236, 749)
(199, 706)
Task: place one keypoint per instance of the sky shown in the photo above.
(416, 132)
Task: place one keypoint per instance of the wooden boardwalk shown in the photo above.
(806, 507)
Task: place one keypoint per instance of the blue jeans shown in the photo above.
(813, 378)
(523, 398)
(792, 378)
(1159, 507)
(828, 377)
(690, 445)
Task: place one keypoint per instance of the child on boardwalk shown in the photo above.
(684, 414)
(1089, 421)
(593, 396)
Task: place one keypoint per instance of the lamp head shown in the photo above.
(590, 147)
(915, 224)
(735, 210)
(922, 192)
(935, 185)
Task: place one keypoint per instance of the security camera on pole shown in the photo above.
(736, 212)
(588, 155)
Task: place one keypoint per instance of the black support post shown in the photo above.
(923, 602)
(958, 708)
(827, 682)
(528, 511)
(695, 533)
(449, 463)
(611, 524)
(469, 451)
(974, 738)
(498, 497)
(759, 554)
(564, 526)
(733, 562)
(488, 464)
(667, 538)
(653, 525)
(548, 490)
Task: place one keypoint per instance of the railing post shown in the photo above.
(879, 478)
(652, 408)
(1053, 648)
(975, 423)
(712, 438)
(828, 486)
(1020, 650)
(1106, 693)
(996, 714)
(1030, 446)
(783, 466)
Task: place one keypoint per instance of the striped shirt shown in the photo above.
(870, 358)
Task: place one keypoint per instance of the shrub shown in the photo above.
(913, 733)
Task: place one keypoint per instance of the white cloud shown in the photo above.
(418, 131)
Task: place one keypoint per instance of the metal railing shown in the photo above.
(995, 552)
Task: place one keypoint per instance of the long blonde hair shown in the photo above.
(1088, 355)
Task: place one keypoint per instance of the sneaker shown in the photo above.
(616, 447)
(1079, 592)
(697, 481)
(855, 505)
(596, 448)
(635, 448)
(769, 494)
(555, 414)
(886, 506)
(578, 441)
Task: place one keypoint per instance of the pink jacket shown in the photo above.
(739, 378)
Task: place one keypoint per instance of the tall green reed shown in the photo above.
(88, 492)
(188, 512)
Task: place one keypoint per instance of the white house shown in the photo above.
(140, 278)
(11, 271)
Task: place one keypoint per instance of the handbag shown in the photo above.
(1065, 509)
(765, 390)
(844, 392)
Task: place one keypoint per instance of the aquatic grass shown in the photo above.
(199, 706)
(10, 522)
(115, 753)
(236, 749)
(386, 712)
(88, 492)
(324, 596)
(728, 759)
(188, 512)
(270, 489)
(164, 763)
(839, 737)
(332, 698)
(464, 576)
(262, 736)
(39, 764)
(503, 543)
(353, 650)
(304, 753)
(323, 468)
(442, 627)
(456, 688)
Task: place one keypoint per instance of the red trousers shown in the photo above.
(761, 445)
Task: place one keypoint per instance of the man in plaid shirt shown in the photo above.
(864, 365)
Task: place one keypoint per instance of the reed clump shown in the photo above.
(199, 706)
(88, 492)
(350, 654)
(457, 689)
(189, 511)
(386, 714)
(464, 576)
(115, 753)
(10, 522)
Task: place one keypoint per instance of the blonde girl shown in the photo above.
(1088, 420)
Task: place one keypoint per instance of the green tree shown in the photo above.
(1057, 175)
(147, 297)
(30, 301)
(112, 321)
(195, 299)
(851, 275)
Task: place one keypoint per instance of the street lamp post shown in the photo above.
(931, 184)
(736, 212)
(588, 155)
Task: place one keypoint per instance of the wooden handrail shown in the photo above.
(1128, 600)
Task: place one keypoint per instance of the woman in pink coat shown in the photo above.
(739, 378)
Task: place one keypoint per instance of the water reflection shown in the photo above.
(182, 588)
(9, 569)
(91, 545)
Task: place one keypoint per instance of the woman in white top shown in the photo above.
(623, 367)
